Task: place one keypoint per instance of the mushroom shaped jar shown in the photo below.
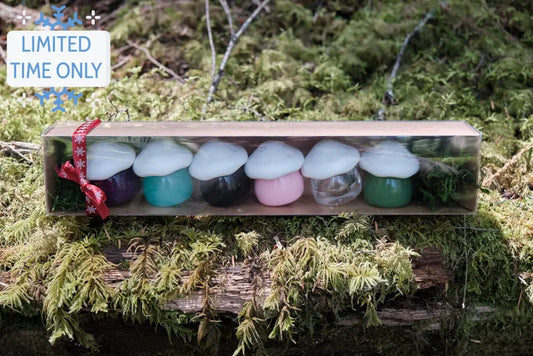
(109, 168)
(331, 165)
(389, 166)
(275, 166)
(163, 164)
(219, 166)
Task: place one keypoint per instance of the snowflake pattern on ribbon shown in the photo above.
(46, 21)
(80, 163)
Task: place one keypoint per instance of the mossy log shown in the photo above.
(232, 286)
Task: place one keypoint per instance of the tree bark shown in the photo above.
(231, 287)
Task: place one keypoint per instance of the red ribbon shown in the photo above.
(94, 196)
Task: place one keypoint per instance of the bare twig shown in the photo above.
(227, 10)
(156, 62)
(389, 99)
(232, 43)
(211, 42)
(121, 63)
(427, 165)
(396, 67)
(113, 116)
(317, 12)
(488, 182)
(20, 149)
(121, 49)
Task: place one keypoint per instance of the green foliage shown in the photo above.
(247, 242)
(361, 274)
(75, 282)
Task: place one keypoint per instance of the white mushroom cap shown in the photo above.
(217, 159)
(105, 159)
(161, 158)
(389, 159)
(273, 159)
(329, 158)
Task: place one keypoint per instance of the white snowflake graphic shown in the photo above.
(98, 195)
(87, 200)
(79, 138)
(80, 151)
(24, 17)
(91, 209)
(80, 163)
(93, 17)
(63, 174)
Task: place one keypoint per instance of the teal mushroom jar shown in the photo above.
(331, 165)
(219, 166)
(389, 166)
(163, 164)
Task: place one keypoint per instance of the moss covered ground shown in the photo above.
(300, 60)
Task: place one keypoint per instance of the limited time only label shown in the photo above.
(58, 59)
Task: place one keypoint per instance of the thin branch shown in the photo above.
(121, 63)
(406, 41)
(227, 10)
(317, 12)
(211, 42)
(20, 149)
(388, 99)
(233, 41)
(156, 62)
(113, 116)
(490, 180)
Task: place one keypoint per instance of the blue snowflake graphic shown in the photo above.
(45, 20)
(71, 95)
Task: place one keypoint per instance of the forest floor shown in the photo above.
(298, 60)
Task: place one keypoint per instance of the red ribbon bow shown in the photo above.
(94, 196)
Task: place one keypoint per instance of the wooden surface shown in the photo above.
(306, 205)
(232, 286)
(270, 129)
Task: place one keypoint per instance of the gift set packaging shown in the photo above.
(262, 168)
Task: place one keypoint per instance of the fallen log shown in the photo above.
(431, 315)
(233, 286)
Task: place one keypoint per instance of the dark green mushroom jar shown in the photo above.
(389, 166)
